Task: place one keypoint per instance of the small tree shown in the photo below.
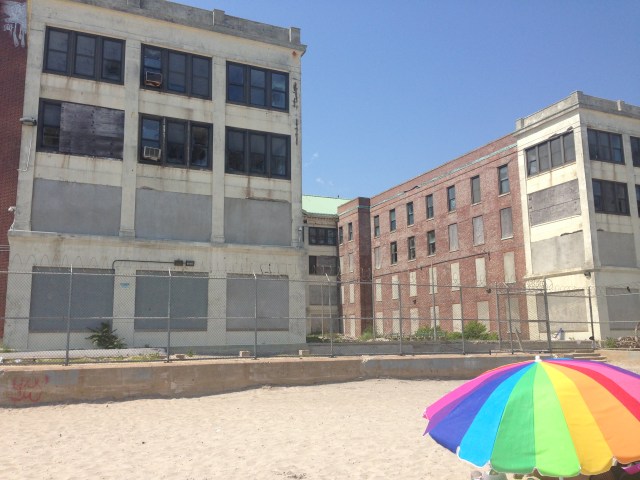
(104, 337)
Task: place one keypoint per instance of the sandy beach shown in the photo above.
(360, 430)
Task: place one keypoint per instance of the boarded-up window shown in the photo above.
(394, 287)
(91, 301)
(509, 268)
(271, 306)
(623, 305)
(92, 131)
(413, 287)
(324, 294)
(378, 290)
(184, 294)
(506, 223)
(455, 276)
(478, 231)
(481, 272)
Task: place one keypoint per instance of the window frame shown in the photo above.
(393, 250)
(411, 248)
(72, 54)
(376, 226)
(431, 242)
(163, 141)
(410, 215)
(454, 243)
(429, 206)
(451, 198)
(164, 70)
(503, 181)
(392, 220)
(614, 187)
(477, 224)
(476, 190)
(634, 143)
(247, 87)
(530, 160)
(247, 134)
(638, 199)
(504, 236)
(322, 236)
(594, 154)
(350, 231)
(44, 104)
(340, 235)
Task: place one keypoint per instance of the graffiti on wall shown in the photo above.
(27, 388)
(14, 21)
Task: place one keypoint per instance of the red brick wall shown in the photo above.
(13, 45)
(356, 212)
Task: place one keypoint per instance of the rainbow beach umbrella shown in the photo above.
(559, 416)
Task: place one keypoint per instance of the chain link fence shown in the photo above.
(67, 315)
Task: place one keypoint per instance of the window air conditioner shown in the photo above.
(152, 79)
(151, 153)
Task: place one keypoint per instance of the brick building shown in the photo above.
(13, 45)
(459, 224)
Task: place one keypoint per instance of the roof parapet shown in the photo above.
(214, 21)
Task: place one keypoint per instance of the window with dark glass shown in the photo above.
(175, 72)
(174, 142)
(503, 180)
(429, 204)
(392, 220)
(322, 236)
(394, 253)
(635, 151)
(257, 153)
(50, 128)
(376, 226)
(323, 265)
(411, 248)
(82, 55)
(350, 230)
(431, 242)
(475, 190)
(410, 213)
(610, 197)
(257, 87)
(605, 146)
(451, 198)
(638, 198)
(547, 155)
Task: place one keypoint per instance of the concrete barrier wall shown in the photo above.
(38, 384)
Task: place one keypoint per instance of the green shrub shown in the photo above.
(610, 343)
(366, 335)
(475, 330)
(104, 337)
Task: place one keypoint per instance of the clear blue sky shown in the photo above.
(392, 89)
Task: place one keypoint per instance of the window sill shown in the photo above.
(506, 238)
(411, 259)
(504, 194)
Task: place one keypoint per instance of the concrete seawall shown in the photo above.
(31, 385)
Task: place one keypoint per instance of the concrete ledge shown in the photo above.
(31, 385)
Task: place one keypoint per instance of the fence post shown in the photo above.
(66, 355)
(498, 318)
(169, 321)
(330, 316)
(433, 296)
(400, 312)
(546, 314)
(593, 335)
(255, 317)
(462, 321)
(510, 320)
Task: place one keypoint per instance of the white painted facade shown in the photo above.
(247, 43)
(585, 239)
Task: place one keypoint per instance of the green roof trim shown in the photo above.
(322, 205)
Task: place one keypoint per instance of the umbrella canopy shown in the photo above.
(560, 416)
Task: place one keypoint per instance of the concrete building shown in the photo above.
(155, 137)
(320, 234)
(579, 167)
